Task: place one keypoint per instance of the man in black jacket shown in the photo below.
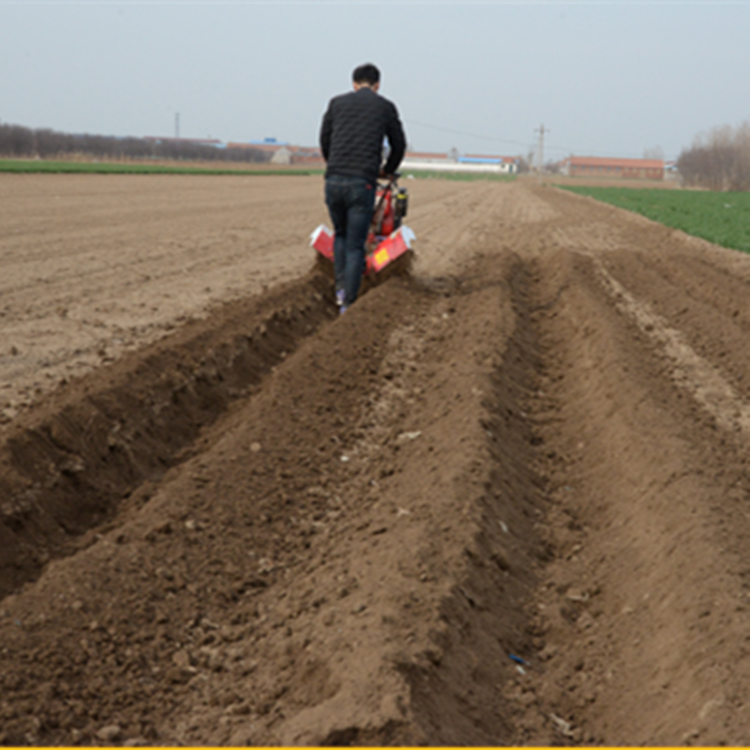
(351, 139)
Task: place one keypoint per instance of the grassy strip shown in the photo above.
(32, 166)
(42, 166)
(721, 218)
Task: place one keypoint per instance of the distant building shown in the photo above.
(426, 157)
(595, 166)
(505, 164)
(282, 156)
(185, 141)
(437, 162)
(307, 155)
(284, 153)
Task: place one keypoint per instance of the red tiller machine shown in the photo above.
(388, 239)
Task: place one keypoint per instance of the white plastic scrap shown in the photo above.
(409, 435)
(564, 727)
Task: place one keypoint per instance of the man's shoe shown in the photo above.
(340, 294)
(343, 309)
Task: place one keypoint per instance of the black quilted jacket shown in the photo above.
(351, 136)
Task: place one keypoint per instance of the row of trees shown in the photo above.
(719, 160)
(18, 141)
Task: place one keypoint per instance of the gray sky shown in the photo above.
(606, 78)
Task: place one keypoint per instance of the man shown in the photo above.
(351, 139)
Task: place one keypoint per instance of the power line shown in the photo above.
(464, 133)
(526, 144)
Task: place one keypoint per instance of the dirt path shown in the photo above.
(502, 502)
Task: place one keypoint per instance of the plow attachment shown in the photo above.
(383, 251)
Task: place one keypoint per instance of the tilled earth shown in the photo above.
(504, 500)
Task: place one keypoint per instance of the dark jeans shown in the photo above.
(350, 202)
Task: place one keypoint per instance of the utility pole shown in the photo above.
(541, 130)
(177, 125)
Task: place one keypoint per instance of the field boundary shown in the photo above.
(721, 218)
(43, 166)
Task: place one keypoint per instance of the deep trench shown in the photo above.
(66, 467)
(491, 612)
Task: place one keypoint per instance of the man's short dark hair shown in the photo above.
(366, 73)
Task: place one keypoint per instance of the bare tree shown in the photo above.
(18, 141)
(719, 160)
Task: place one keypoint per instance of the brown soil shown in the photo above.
(504, 500)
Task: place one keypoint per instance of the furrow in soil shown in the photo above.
(503, 500)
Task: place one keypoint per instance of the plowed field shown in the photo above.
(504, 500)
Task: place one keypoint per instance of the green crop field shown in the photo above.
(29, 166)
(722, 218)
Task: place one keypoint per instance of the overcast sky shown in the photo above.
(605, 78)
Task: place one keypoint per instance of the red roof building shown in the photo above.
(595, 166)
(426, 156)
